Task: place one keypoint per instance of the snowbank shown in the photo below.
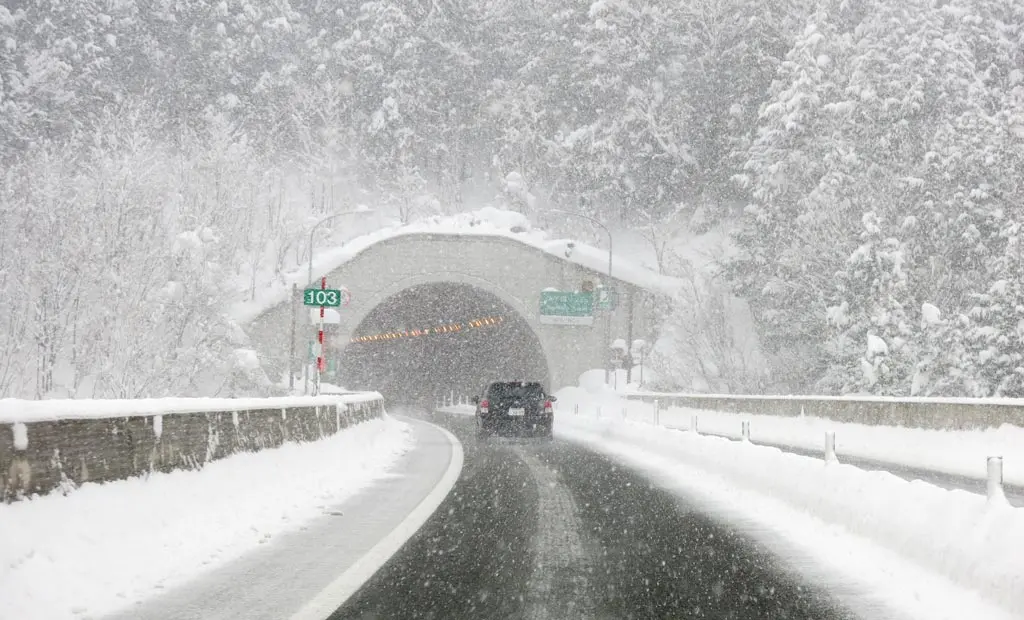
(961, 452)
(17, 410)
(924, 400)
(955, 452)
(105, 546)
(969, 543)
(488, 221)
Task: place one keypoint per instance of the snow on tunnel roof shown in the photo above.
(485, 222)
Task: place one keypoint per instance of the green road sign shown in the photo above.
(566, 308)
(606, 298)
(330, 297)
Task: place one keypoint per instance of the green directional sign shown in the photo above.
(566, 308)
(329, 297)
(607, 299)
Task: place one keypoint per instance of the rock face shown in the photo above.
(40, 457)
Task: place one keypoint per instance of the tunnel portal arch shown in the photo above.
(512, 271)
(437, 335)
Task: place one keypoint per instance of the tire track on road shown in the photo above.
(561, 584)
(542, 530)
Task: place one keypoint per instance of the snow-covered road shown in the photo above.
(292, 532)
(538, 529)
(970, 545)
(920, 551)
(262, 532)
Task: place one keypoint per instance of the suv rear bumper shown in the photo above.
(501, 422)
(534, 418)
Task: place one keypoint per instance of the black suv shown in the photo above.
(515, 406)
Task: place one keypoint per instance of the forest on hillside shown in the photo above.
(867, 155)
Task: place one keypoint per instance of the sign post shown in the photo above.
(320, 335)
(325, 298)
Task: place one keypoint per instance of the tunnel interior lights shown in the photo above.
(451, 328)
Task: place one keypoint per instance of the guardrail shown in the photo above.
(953, 414)
(60, 444)
(933, 413)
(992, 485)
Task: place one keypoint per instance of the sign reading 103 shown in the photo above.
(330, 297)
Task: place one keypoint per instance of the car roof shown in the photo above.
(517, 383)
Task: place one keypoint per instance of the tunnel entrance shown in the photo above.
(430, 339)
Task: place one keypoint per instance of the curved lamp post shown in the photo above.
(593, 221)
(320, 223)
(309, 280)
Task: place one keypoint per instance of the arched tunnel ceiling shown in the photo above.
(419, 369)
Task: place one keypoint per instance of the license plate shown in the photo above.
(517, 411)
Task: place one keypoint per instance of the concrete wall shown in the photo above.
(64, 453)
(949, 414)
(514, 272)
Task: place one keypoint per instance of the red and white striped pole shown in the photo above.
(320, 338)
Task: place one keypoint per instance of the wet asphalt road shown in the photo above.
(539, 529)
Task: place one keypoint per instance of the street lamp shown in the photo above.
(594, 221)
(608, 317)
(312, 231)
(323, 221)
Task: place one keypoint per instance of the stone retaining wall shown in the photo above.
(62, 454)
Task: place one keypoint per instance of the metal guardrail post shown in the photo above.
(745, 430)
(657, 413)
(994, 487)
(693, 424)
(830, 447)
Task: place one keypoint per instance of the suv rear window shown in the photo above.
(515, 389)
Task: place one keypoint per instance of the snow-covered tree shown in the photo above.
(787, 243)
(706, 342)
(872, 345)
(125, 125)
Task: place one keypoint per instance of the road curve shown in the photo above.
(540, 529)
(293, 574)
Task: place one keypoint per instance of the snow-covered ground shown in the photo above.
(955, 452)
(106, 546)
(488, 221)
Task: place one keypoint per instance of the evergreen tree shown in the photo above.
(784, 266)
(873, 342)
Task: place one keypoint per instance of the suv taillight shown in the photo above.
(484, 406)
(548, 408)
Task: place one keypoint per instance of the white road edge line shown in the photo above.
(338, 591)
